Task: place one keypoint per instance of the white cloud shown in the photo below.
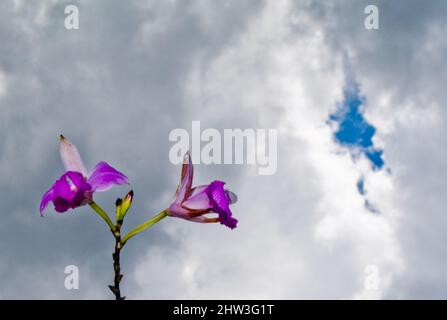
(303, 232)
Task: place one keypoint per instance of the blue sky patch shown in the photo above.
(353, 131)
(361, 186)
(356, 134)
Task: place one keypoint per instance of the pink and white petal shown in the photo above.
(105, 176)
(46, 198)
(70, 156)
(196, 190)
(184, 187)
(200, 201)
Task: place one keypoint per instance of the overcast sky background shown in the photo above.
(135, 70)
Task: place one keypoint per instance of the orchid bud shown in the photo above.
(125, 205)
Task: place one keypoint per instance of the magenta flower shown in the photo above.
(75, 187)
(195, 204)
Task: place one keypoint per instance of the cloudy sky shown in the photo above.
(359, 193)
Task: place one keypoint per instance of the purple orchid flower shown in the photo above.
(75, 187)
(195, 203)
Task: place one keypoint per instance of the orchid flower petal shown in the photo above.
(212, 197)
(196, 190)
(61, 205)
(69, 184)
(184, 187)
(46, 198)
(204, 219)
(70, 156)
(221, 203)
(105, 176)
(177, 210)
(63, 188)
(199, 199)
(230, 222)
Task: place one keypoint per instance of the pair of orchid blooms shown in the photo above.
(206, 203)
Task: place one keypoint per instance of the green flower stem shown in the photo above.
(102, 214)
(144, 226)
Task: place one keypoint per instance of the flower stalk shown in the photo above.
(144, 226)
(76, 188)
(121, 209)
(117, 268)
(115, 288)
(100, 211)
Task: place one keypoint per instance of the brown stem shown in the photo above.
(116, 263)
